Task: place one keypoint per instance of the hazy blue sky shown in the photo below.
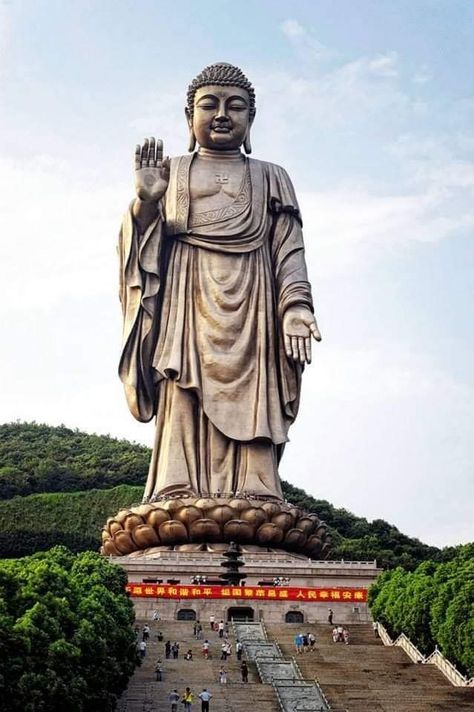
(369, 105)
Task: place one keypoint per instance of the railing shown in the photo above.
(447, 668)
(436, 658)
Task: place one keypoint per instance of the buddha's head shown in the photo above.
(220, 108)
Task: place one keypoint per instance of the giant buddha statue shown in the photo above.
(218, 323)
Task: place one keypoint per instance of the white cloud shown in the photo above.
(384, 65)
(348, 227)
(422, 75)
(305, 43)
(384, 432)
(61, 233)
(292, 28)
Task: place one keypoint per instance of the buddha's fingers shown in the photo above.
(307, 346)
(138, 157)
(159, 151)
(287, 345)
(165, 167)
(145, 153)
(151, 153)
(315, 331)
(301, 349)
(294, 348)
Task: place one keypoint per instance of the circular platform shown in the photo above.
(210, 523)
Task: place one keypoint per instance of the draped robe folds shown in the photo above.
(203, 296)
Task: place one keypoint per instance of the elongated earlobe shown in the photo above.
(192, 141)
(247, 144)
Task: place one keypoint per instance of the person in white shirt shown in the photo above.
(205, 697)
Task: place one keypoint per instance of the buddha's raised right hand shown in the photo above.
(151, 171)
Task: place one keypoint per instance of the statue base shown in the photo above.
(211, 523)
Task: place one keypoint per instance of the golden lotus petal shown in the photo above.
(283, 520)
(313, 546)
(171, 505)
(295, 539)
(124, 542)
(122, 514)
(205, 530)
(269, 534)
(114, 527)
(239, 531)
(157, 516)
(271, 508)
(109, 549)
(205, 503)
(255, 516)
(239, 504)
(188, 514)
(221, 514)
(142, 510)
(145, 536)
(305, 524)
(132, 521)
(173, 532)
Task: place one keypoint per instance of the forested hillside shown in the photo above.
(40, 458)
(84, 469)
(433, 605)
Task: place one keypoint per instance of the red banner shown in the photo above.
(278, 593)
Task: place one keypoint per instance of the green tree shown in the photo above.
(66, 636)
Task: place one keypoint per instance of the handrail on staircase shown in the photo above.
(436, 658)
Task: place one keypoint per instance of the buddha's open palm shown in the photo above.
(299, 325)
(151, 171)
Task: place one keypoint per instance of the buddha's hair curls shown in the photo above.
(221, 74)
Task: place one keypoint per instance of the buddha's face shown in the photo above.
(221, 117)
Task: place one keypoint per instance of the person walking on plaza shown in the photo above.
(211, 622)
(221, 629)
(330, 616)
(146, 632)
(198, 630)
(205, 649)
(205, 697)
(187, 699)
(167, 649)
(239, 649)
(159, 670)
(174, 699)
(142, 648)
(175, 650)
(312, 641)
(244, 671)
(223, 676)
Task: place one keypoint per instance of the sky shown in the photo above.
(369, 106)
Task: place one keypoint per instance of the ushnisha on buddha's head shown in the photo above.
(220, 109)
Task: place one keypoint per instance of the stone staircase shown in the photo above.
(145, 694)
(293, 692)
(366, 676)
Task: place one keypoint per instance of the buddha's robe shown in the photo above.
(203, 296)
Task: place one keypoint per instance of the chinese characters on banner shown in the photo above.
(334, 595)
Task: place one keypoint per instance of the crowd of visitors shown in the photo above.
(340, 634)
(172, 652)
(304, 642)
